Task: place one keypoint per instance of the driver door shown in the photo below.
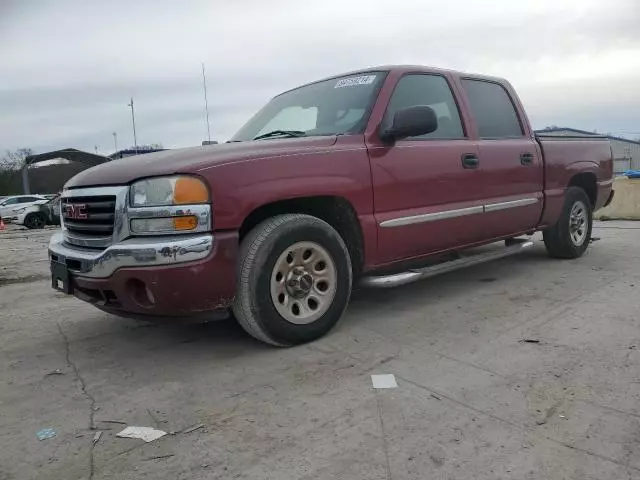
(426, 192)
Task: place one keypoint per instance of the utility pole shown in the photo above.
(115, 142)
(206, 103)
(133, 120)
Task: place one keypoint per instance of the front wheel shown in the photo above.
(294, 280)
(570, 236)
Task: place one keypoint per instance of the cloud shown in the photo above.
(70, 67)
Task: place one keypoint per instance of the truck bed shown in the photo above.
(566, 156)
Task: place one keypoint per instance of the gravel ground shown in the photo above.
(525, 368)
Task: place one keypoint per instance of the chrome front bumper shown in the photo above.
(133, 252)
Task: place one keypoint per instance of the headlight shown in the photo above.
(19, 210)
(166, 191)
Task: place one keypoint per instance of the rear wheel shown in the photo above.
(294, 280)
(570, 236)
(34, 220)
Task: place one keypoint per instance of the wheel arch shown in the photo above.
(336, 211)
(588, 182)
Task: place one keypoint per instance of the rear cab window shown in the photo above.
(493, 110)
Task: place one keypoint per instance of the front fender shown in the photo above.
(239, 188)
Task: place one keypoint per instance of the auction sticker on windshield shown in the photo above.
(355, 81)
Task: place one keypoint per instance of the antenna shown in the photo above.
(133, 120)
(206, 102)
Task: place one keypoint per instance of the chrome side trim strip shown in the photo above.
(432, 217)
(605, 183)
(459, 212)
(493, 207)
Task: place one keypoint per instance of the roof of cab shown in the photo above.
(403, 69)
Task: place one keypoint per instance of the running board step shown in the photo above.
(387, 281)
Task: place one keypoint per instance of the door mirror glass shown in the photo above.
(411, 122)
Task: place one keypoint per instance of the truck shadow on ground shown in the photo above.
(129, 350)
(227, 338)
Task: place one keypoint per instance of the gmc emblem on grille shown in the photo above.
(75, 211)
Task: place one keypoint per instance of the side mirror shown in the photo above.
(410, 122)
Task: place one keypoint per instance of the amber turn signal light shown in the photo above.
(185, 223)
(190, 190)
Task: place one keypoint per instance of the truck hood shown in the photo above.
(192, 160)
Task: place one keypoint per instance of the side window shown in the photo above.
(432, 91)
(493, 110)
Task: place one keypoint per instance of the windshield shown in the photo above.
(331, 107)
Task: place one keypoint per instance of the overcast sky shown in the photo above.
(68, 68)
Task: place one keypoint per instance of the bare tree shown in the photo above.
(10, 164)
(14, 159)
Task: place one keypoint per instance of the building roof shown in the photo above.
(585, 132)
(68, 154)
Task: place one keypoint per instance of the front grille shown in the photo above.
(89, 216)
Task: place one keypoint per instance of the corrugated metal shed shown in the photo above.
(626, 153)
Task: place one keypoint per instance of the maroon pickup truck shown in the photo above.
(376, 178)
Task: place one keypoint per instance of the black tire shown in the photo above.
(260, 250)
(558, 239)
(34, 221)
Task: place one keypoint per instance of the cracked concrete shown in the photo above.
(473, 402)
(85, 392)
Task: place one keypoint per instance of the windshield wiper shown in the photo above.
(282, 133)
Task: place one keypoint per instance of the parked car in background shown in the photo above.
(37, 215)
(378, 177)
(9, 204)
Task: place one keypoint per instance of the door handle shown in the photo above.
(470, 160)
(526, 159)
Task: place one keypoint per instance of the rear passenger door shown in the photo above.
(511, 173)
